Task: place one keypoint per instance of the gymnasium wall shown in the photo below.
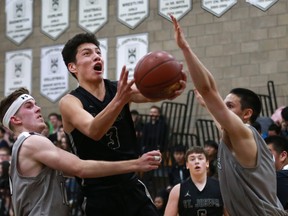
(245, 47)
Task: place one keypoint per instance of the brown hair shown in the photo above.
(7, 101)
(197, 150)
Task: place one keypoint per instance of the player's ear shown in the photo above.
(283, 156)
(72, 67)
(247, 114)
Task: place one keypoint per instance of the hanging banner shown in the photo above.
(54, 17)
(19, 20)
(92, 14)
(132, 13)
(178, 8)
(104, 52)
(18, 70)
(218, 7)
(262, 4)
(129, 50)
(54, 73)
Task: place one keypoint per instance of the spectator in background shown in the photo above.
(5, 197)
(211, 148)
(155, 131)
(199, 194)
(274, 130)
(138, 125)
(278, 145)
(3, 142)
(5, 153)
(178, 172)
(264, 122)
(160, 202)
(56, 122)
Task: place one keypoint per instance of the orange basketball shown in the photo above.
(157, 75)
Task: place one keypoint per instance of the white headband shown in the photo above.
(14, 108)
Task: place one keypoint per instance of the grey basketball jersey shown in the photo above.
(41, 195)
(249, 191)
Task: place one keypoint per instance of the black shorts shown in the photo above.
(131, 199)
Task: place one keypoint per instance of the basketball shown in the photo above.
(157, 75)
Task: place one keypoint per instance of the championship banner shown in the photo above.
(54, 73)
(18, 70)
(218, 7)
(104, 53)
(262, 4)
(92, 14)
(129, 50)
(132, 13)
(54, 17)
(178, 8)
(19, 20)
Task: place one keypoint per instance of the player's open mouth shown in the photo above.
(98, 67)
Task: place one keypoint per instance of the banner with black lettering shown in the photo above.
(92, 14)
(54, 73)
(19, 20)
(54, 17)
(18, 70)
(130, 49)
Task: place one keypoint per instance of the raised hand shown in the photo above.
(124, 90)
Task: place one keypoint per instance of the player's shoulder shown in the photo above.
(68, 99)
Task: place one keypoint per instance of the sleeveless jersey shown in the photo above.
(249, 191)
(41, 195)
(207, 202)
(119, 143)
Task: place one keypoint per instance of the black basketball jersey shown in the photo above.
(119, 143)
(207, 202)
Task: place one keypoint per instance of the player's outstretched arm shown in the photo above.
(42, 151)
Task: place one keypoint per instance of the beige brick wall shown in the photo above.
(245, 47)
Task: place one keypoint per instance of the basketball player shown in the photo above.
(199, 194)
(37, 183)
(245, 166)
(97, 113)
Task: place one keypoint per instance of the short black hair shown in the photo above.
(70, 49)
(211, 143)
(179, 148)
(279, 143)
(249, 100)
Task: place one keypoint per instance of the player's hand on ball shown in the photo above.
(182, 84)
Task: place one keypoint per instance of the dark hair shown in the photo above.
(284, 113)
(179, 148)
(274, 127)
(7, 101)
(211, 143)
(248, 100)
(197, 150)
(134, 112)
(156, 107)
(58, 116)
(279, 143)
(70, 49)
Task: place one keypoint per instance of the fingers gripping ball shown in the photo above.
(157, 75)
